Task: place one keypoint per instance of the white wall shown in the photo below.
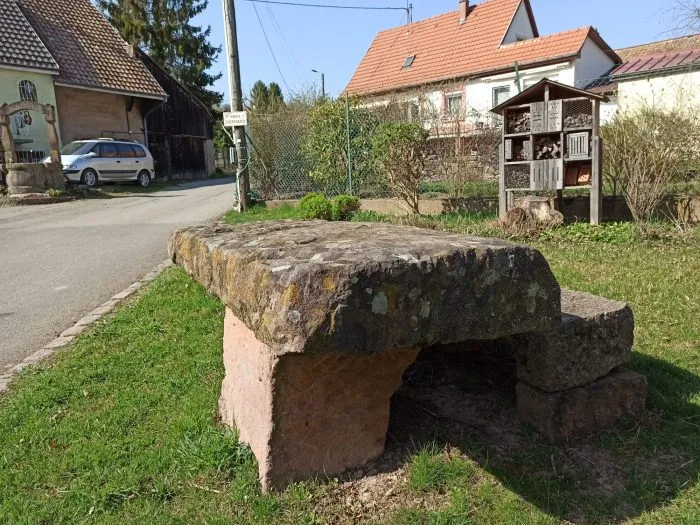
(480, 92)
(662, 91)
(593, 64)
(520, 28)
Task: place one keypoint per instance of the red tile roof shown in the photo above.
(89, 51)
(446, 49)
(659, 61)
(664, 46)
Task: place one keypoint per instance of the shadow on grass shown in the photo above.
(465, 401)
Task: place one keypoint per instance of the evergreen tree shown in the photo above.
(266, 99)
(164, 29)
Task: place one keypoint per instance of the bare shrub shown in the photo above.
(398, 148)
(648, 148)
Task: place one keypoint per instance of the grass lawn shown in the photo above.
(121, 427)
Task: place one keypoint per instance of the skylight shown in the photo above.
(409, 61)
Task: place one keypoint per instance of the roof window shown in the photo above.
(409, 61)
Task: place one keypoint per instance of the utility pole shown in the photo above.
(236, 94)
(409, 12)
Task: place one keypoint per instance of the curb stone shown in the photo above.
(80, 326)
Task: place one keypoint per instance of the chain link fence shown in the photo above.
(326, 147)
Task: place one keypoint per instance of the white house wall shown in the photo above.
(520, 28)
(480, 92)
(592, 64)
(665, 92)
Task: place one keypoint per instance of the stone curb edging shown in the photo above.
(80, 326)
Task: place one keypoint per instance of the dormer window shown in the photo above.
(409, 61)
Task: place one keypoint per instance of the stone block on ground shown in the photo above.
(594, 337)
(582, 410)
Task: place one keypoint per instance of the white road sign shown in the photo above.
(233, 119)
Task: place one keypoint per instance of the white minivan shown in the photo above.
(108, 160)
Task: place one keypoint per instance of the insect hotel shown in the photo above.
(551, 142)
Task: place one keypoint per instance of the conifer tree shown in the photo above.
(164, 30)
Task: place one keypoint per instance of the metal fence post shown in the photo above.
(347, 129)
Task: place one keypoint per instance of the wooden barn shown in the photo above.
(179, 131)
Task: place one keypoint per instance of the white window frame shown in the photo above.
(451, 96)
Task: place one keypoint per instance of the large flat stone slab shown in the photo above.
(595, 336)
(582, 410)
(361, 288)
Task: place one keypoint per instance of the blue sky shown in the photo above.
(334, 41)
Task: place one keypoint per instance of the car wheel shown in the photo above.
(89, 178)
(144, 179)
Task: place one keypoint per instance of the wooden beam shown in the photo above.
(596, 168)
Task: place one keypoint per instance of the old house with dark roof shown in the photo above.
(64, 52)
(456, 66)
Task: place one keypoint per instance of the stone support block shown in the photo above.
(582, 410)
(594, 337)
(307, 415)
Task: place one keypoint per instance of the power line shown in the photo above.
(329, 6)
(274, 58)
(285, 43)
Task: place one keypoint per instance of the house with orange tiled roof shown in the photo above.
(458, 65)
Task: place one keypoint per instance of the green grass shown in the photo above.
(121, 427)
(262, 213)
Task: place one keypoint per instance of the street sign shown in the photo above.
(234, 119)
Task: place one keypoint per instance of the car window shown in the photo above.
(76, 148)
(125, 151)
(108, 151)
(138, 151)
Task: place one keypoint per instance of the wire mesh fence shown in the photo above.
(326, 146)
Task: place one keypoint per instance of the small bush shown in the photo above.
(398, 149)
(344, 207)
(315, 206)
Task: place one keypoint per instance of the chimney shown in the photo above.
(463, 8)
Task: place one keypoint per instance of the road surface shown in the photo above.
(60, 261)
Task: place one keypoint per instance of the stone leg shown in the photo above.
(585, 409)
(307, 415)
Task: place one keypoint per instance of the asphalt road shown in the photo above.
(60, 261)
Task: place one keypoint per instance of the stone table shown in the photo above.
(323, 318)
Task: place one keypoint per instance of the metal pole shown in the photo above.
(236, 94)
(347, 129)
(323, 86)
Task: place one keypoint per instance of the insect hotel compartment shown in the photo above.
(518, 149)
(517, 177)
(518, 121)
(578, 146)
(547, 147)
(578, 113)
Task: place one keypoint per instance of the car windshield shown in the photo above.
(76, 148)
